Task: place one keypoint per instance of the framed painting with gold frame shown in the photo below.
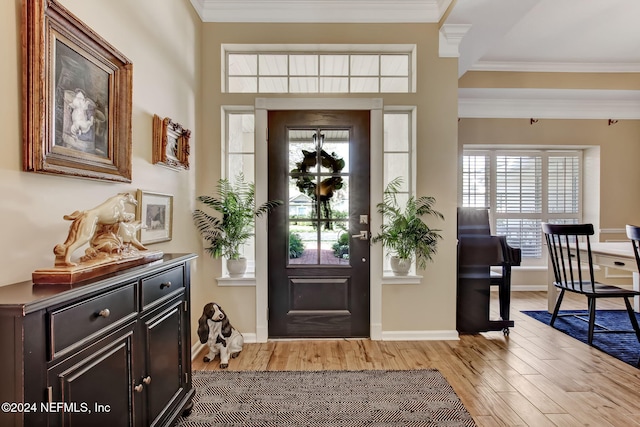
(170, 143)
(155, 213)
(76, 97)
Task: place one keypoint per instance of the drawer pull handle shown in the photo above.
(165, 285)
(618, 263)
(138, 388)
(104, 313)
(147, 380)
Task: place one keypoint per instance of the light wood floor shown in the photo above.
(536, 376)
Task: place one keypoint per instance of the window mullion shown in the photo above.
(545, 186)
(493, 183)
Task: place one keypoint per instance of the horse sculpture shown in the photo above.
(86, 224)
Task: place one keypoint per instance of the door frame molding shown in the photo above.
(262, 106)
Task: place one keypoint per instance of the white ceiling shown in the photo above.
(549, 35)
(515, 35)
(502, 35)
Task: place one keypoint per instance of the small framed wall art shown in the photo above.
(170, 143)
(155, 213)
(76, 107)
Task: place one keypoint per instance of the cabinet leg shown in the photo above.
(186, 411)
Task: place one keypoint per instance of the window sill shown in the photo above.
(247, 280)
(389, 279)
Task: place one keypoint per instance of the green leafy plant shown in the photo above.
(236, 203)
(341, 247)
(296, 247)
(403, 231)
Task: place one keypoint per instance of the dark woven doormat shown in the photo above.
(325, 398)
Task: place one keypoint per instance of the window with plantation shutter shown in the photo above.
(518, 184)
(564, 185)
(475, 181)
(524, 189)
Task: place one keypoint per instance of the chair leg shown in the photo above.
(632, 317)
(592, 318)
(557, 308)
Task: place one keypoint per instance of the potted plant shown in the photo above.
(404, 232)
(226, 234)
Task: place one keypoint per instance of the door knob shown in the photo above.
(363, 235)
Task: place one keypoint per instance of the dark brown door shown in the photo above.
(318, 263)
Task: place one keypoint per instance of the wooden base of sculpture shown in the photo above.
(92, 269)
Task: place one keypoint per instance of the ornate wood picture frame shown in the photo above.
(170, 143)
(155, 213)
(77, 92)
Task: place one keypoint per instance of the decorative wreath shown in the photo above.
(305, 183)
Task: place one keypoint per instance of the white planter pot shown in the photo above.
(400, 267)
(236, 267)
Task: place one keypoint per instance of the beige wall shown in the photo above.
(495, 79)
(429, 305)
(162, 39)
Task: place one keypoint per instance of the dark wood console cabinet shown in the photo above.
(109, 352)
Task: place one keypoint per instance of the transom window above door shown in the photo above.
(330, 69)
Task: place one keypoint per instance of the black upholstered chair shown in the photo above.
(569, 248)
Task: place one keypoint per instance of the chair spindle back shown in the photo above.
(564, 242)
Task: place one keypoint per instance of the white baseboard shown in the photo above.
(518, 288)
(196, 349)
(198, 346)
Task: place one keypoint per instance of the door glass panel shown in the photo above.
(302, 203)
(301, 151)
(303, 242)
(318, 202)
(335, 244)
(335, 156)
(334, 199)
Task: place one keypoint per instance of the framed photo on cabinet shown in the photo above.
(155, 213)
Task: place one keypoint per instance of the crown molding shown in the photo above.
(549, 103)
(321, 11)
(450, 37)
(556, 67)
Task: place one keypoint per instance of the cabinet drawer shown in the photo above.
(72, 325)
(164, 284)
(613, 262)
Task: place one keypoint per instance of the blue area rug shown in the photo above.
(622, 346)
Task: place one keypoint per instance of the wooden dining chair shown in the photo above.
(573, 272)
(633, 233)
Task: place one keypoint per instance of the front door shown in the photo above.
(319, 240)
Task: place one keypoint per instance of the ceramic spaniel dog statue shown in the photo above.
(215, 330)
